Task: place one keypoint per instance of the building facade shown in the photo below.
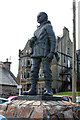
(61, 70)
(78, 69)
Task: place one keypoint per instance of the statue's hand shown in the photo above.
(50, 56)
(33, 39)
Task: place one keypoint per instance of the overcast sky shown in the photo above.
(18, 21)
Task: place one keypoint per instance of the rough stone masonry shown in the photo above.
(44, 110)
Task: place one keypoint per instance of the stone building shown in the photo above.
(61, 70)
(24, 67)
(8, 82)
(78, 69)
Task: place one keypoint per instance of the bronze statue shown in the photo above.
(43, 45)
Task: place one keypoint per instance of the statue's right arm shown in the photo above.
(32, 41)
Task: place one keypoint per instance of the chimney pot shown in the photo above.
(7, 60)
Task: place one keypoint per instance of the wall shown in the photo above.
(8, 91)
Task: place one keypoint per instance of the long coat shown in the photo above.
(44, 41)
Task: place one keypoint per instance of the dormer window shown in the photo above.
(29, 51)
(26, 51)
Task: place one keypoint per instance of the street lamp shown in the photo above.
(74, 54)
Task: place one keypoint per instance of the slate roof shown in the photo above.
(7, 77)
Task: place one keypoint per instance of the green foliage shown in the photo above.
(68, 93)
(17, 76)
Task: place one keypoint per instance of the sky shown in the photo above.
(18, 21)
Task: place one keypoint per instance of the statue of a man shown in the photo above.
(43, 45)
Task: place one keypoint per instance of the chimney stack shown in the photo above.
(7, 64)
(65, 31)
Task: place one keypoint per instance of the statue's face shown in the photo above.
(41, 17)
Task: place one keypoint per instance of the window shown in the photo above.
(39, 85)
(28, 51)
(68, 63)
(70, 100)
(28, 62)
(23, 75)
(39, 91)
(65, 98)
(69, 87)
(41, 74)
(14, 98)
(23, 62)
(42, 85)
(68, 51)
(40, 88)
(64, 59)
(0, 65)
(28, 74)
(68, 79)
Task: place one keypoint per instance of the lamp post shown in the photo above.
(20, 86)
(74, 54)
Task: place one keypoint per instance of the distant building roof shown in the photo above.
(7, 77)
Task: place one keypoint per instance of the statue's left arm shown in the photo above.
(52, 40)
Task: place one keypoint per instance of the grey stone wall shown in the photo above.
(7, 91)
(43, 110)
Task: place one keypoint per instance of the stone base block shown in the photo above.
(39, 97)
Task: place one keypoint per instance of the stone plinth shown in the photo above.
(40, 109)
(39, 97)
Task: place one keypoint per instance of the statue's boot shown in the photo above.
(32, 90)
(48, 85)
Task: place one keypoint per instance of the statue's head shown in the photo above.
(42, 16)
